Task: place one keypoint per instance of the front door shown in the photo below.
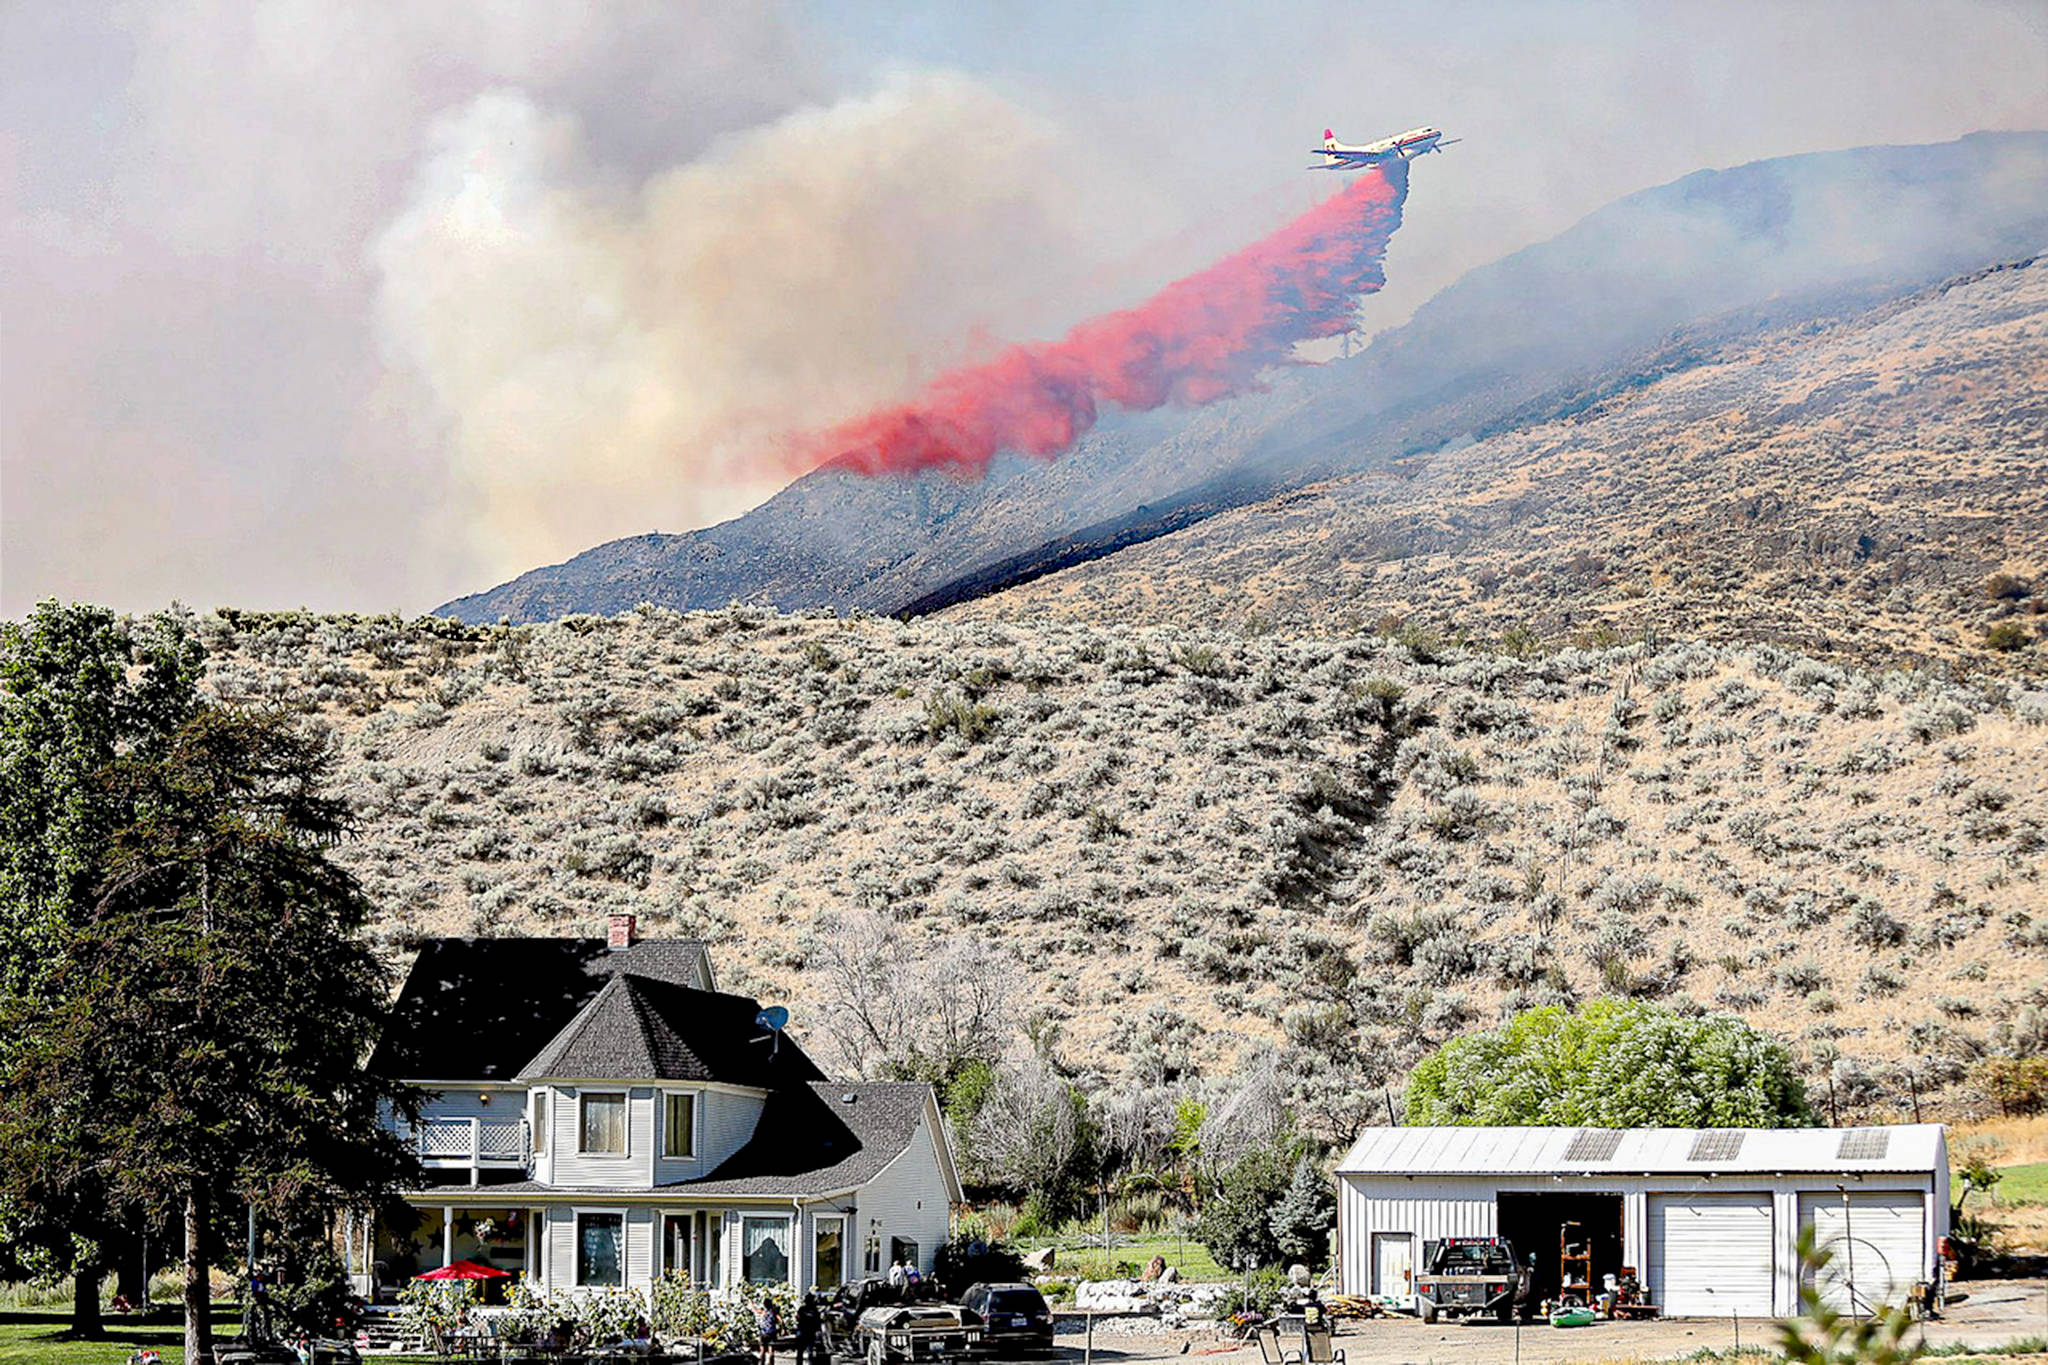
(675, 1245)
(1393, 1263)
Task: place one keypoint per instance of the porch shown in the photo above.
(591, 1242)
(475, 1145)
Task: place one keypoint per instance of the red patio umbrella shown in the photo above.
(466, 1270)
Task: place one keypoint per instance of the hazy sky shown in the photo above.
(362, 306)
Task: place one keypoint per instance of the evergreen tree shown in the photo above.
(200, 1037)
(1304, 1217)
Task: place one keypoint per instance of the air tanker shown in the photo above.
(1342, 156)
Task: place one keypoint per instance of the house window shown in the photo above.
(828, 1252)
(714, 1248)
(604, 1124)
(679, 1126)
(598, 1244)
(764, 1250)
(540, 1123)
(871, 1259)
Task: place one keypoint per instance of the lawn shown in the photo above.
(26, 1338)
(1079, 1260)
(2026, 1184)
(29, 1337)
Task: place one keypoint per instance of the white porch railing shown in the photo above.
(474, 1142)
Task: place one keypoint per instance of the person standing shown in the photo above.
(899, 1276)
(808, 1322)
(770, 1324)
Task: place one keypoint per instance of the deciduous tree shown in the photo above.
(1611, 1064)
(80, 690)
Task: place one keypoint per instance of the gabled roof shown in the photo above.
(1913, 1147)
(818, 1138)
(478, 1009)
(637, 1029)
(813, 1139)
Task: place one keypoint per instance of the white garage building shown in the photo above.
(1709, 1217)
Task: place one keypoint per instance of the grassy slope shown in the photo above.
(1191, 834)
(1171, 830)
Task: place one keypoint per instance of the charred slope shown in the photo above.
(1872, 488)
(1755, 246)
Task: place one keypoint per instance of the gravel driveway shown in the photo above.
(1994, 1312)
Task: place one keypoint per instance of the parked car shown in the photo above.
(1464, 1277)
(1014, 1317)
(915, 1331)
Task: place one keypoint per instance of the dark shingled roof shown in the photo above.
(636, 1029)
(810, 1141)
(478, 1009)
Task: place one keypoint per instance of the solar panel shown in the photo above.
(1593, 1144)
(1717, 1144)
(1864, 1144)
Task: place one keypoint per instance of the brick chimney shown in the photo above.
(621, 932)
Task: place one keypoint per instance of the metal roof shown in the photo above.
(1916, 1147)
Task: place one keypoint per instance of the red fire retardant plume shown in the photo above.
(1197, 340)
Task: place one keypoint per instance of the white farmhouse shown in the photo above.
(600, 1115)
(1708, 1218)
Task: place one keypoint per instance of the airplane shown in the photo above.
(1341, 156)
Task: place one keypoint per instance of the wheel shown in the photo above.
(1427, 1311)
(878, 1351)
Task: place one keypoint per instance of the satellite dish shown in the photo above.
(775, 1019)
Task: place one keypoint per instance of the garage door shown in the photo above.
(1710, 1254)
(1878, 1241)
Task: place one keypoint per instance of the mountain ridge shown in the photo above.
(1768, 238)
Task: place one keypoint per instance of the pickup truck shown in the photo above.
(914, 1331)
(1464, 1277)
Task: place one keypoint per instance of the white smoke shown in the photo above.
(611, 359)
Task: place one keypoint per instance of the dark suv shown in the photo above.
(1014, 1317)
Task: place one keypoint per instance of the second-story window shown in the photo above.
(540, 1123)
(679, 1126)
(604, 1124)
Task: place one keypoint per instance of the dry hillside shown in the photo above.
(1847, 490)
(1192, 838)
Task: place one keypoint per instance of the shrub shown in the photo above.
(971, 721)
(1236, 1222)
(2004, 587)
(2006, 636)
(2018, 1085)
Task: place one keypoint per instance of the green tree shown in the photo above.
(200, 1038)
(1611, 1064)
(1236, 1223)
(1304, 1217)
(79, 692)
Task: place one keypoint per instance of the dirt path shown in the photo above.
(1993, 1314)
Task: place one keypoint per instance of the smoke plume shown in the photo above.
(1200, 339)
